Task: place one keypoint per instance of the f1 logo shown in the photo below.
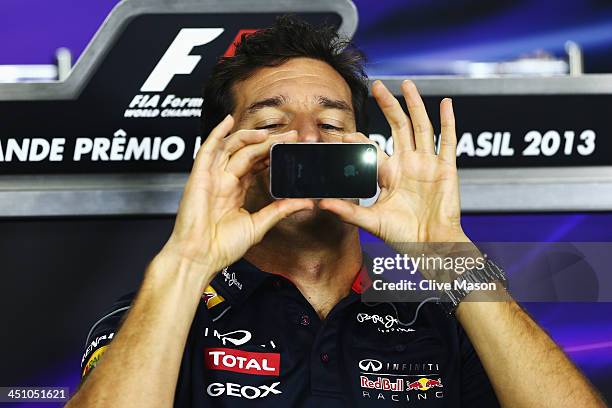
(177, 60)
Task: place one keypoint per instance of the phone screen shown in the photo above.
(323, 170)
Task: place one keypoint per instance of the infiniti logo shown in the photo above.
(370, 365)
(236, 337)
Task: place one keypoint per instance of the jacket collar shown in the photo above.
(237, 282)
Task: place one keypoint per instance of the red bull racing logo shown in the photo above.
(211, 297)
(386, 384)
(399, 389)
(393, 381)
(423, 384)
(382, 384)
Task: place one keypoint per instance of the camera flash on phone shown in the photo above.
(369, 156)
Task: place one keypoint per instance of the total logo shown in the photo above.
(244, 362)
(242, 391)
(177, 60)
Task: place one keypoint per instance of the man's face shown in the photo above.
(303, 94)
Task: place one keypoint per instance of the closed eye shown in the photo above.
(327, 126)
(270, 126)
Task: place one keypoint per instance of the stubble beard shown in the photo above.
(306, 224)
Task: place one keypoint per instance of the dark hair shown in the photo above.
(288, 38)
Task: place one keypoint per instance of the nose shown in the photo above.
(308, 130)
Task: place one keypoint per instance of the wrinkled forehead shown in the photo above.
(302, 82)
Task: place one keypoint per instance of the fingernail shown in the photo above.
(408, 82)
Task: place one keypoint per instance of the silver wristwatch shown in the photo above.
(491, 273)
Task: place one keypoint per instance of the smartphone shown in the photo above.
(323, 170)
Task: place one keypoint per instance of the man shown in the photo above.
(281, 321)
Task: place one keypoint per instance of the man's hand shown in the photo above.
(212, 229)
(419, 202)
(419, 198)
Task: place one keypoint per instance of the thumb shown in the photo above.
(267, 217)
(351, 213)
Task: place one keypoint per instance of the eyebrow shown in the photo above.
(273, 102)
(334, 104)
(280, 100)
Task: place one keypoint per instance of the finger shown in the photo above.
(241, 162)
(448, 141)
(401, 126)
(259, 166)
(220, 131)
(250, 176)
(363, 217)
(267, 217)
(241, 138)
(423, 130)
(246, 182)
(208, 147)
